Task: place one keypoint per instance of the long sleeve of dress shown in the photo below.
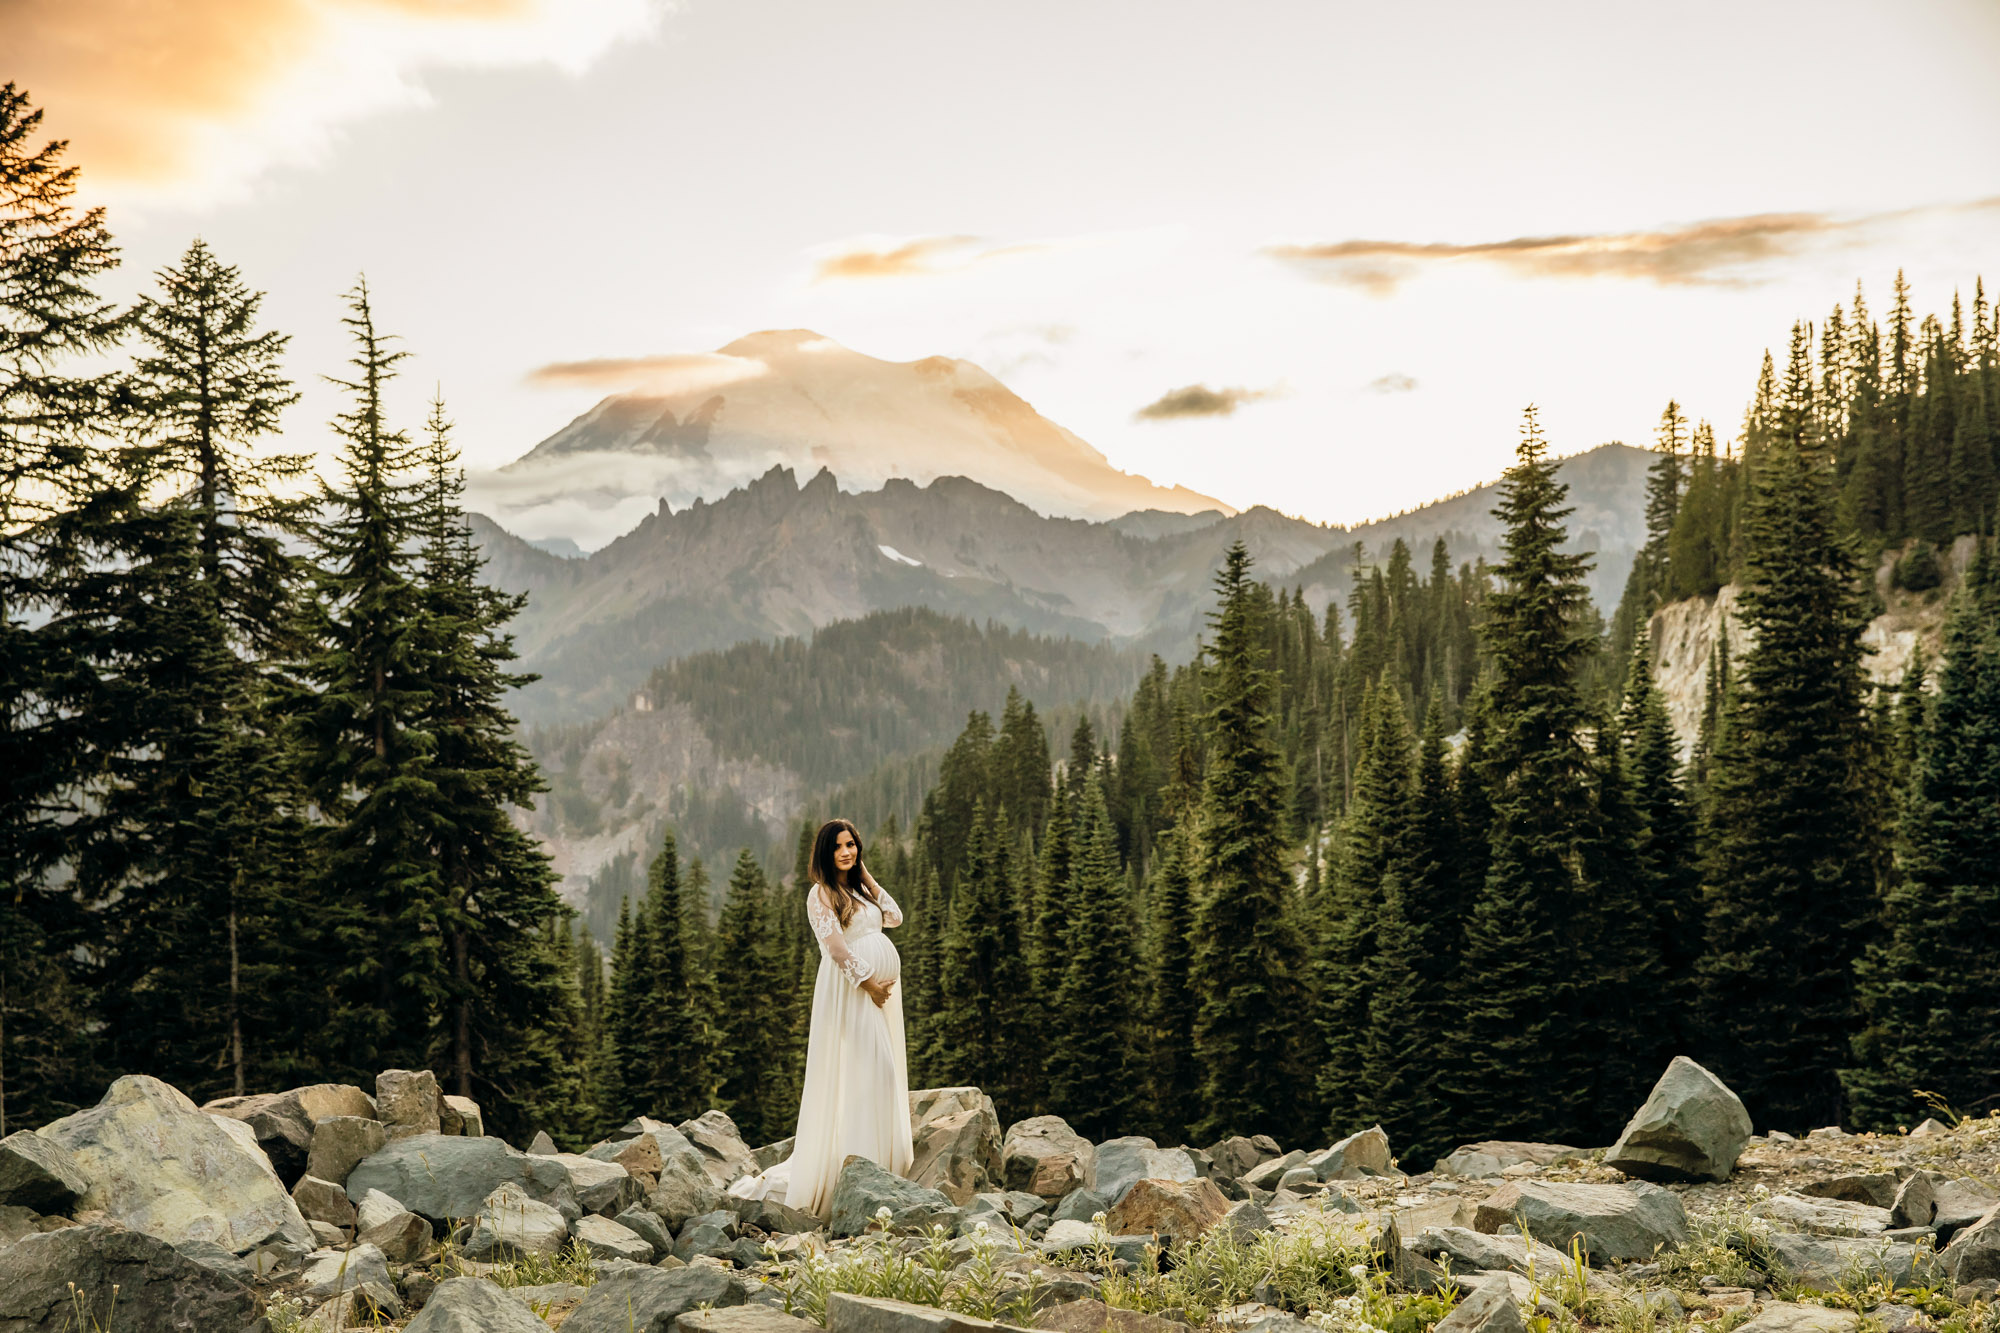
(826, 929)
(892, 915)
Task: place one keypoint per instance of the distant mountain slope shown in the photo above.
(797, 400)
(776, 558)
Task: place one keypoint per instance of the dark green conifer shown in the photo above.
(1788, 885)
(745, 1046)
(1093, 1077)
(983, 982)
(1248, 955)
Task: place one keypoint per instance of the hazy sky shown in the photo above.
(1366, 234)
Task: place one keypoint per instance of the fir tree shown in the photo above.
(744, 1031)
(377, 897)
(1929, 987)
(52, 417)
(674, 998)
(1788, 887)
(1247, 955)
(1091, 1075)
(1174, 1082)
(1669, 877)
(1519, 983)
(982, 974)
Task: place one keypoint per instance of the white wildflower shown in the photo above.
(1357, 1270)
(882, 1213)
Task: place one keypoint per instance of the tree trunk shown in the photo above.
(461, 1035)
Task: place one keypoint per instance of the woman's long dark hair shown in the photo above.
(846, 895)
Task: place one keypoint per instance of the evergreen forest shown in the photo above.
(1435, 859)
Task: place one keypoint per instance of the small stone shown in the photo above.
(633, 1298)
(648, 1227)
(330, 1272)
(39, 1173)
(342, 1142)
(406, 1102)
(1974, 1253)
(1783, 1317)
(511, 1225)
(1915, 1204)
(1824, 1217)
(1117, 1164)
(374, 1208)
(474, 1305)
(1180, 1211)
(1930, 1128)
(1094, 1316)
(461, 1116)
(751, 1318)
(354, 1308)
(1355, 1157)
(322, 1201)
(1042, 1155)
(403, 1239)
(606, 1239)
(1489, 1309)
(1875, 1188)
(326, 1235)
(1494, 1156)
(542, 1145)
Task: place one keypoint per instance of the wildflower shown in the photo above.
(980, 1228)
(882, 1214)
(1357, 1270)
(1097, 1219)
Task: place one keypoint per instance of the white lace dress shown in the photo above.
(856, 1099)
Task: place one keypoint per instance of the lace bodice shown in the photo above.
(868, 919)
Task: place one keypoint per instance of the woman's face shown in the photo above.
(845, 853)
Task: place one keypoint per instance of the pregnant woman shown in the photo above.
(857, 1090)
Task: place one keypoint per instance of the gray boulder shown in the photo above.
(374, 1208)
(1692, 1127)
(1267, 1175)
(474, 1305)
(710, 1233)
(1974, 1253)
(330, 1272)
(460, 1115)
(1915, 1202)
(777, 1219)
(1785, 1317)
(542, 1145)
(683, 1191)
(1616, 1223)
(1824, 1217)
(340, 1142)
(1826, 1263)
(447, 1178)
(1355, 1157)
(1043, 1155)
(1081, 1206)
(1118, 1164)
(601, 1187)
(1960, 1203)
(751, 1318)
(159, 1289)
(39, 1173)
(955, 1134)
(1244, 1220)
(159, 1165)
(632, 1298)
(863, 1187)
(323, 1201)
(771, 1154)
(647, 1226)
(847, 1313)
(606, 1239)
(357, 1307)
(1493, 1156)
(511, 1225)
(1476, 1252)
(403, 1239)
(407, 1103)
(1489, 1309)
(723, 1151)
(1875, 1188)
(283, 1121)
(1235, 1156)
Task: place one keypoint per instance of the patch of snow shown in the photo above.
(895, 554)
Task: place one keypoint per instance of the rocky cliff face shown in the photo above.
(1685, 634)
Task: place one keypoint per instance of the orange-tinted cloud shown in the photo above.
(150, 91)
(924, 256)
(671, 373)
(1197, 400)
(1718, 252)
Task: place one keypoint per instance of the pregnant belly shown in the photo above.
(876, 951)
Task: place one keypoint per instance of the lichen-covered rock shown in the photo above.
(283, 1121)
(1974, 1253)
(406, 1102)
(447, 1178)
(39, 1173)
(1180, 1210)
(1493, 1156)
(1616, 1223)
(474, 1305)
(1042, 1155)
(1118, 1164)
(339, 1142)
(863, 1187)
(159, 1165)
(159, 1288)
(955, 1134)
(511, 1225)
(1692, 1127)
(632, 1298)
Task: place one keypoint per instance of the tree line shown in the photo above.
(259, 768)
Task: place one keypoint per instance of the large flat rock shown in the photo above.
(1614, 1222)
(160, 1165)
(474, 1305)
(847, 1313)
(159, 1289)
(447, 1178)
